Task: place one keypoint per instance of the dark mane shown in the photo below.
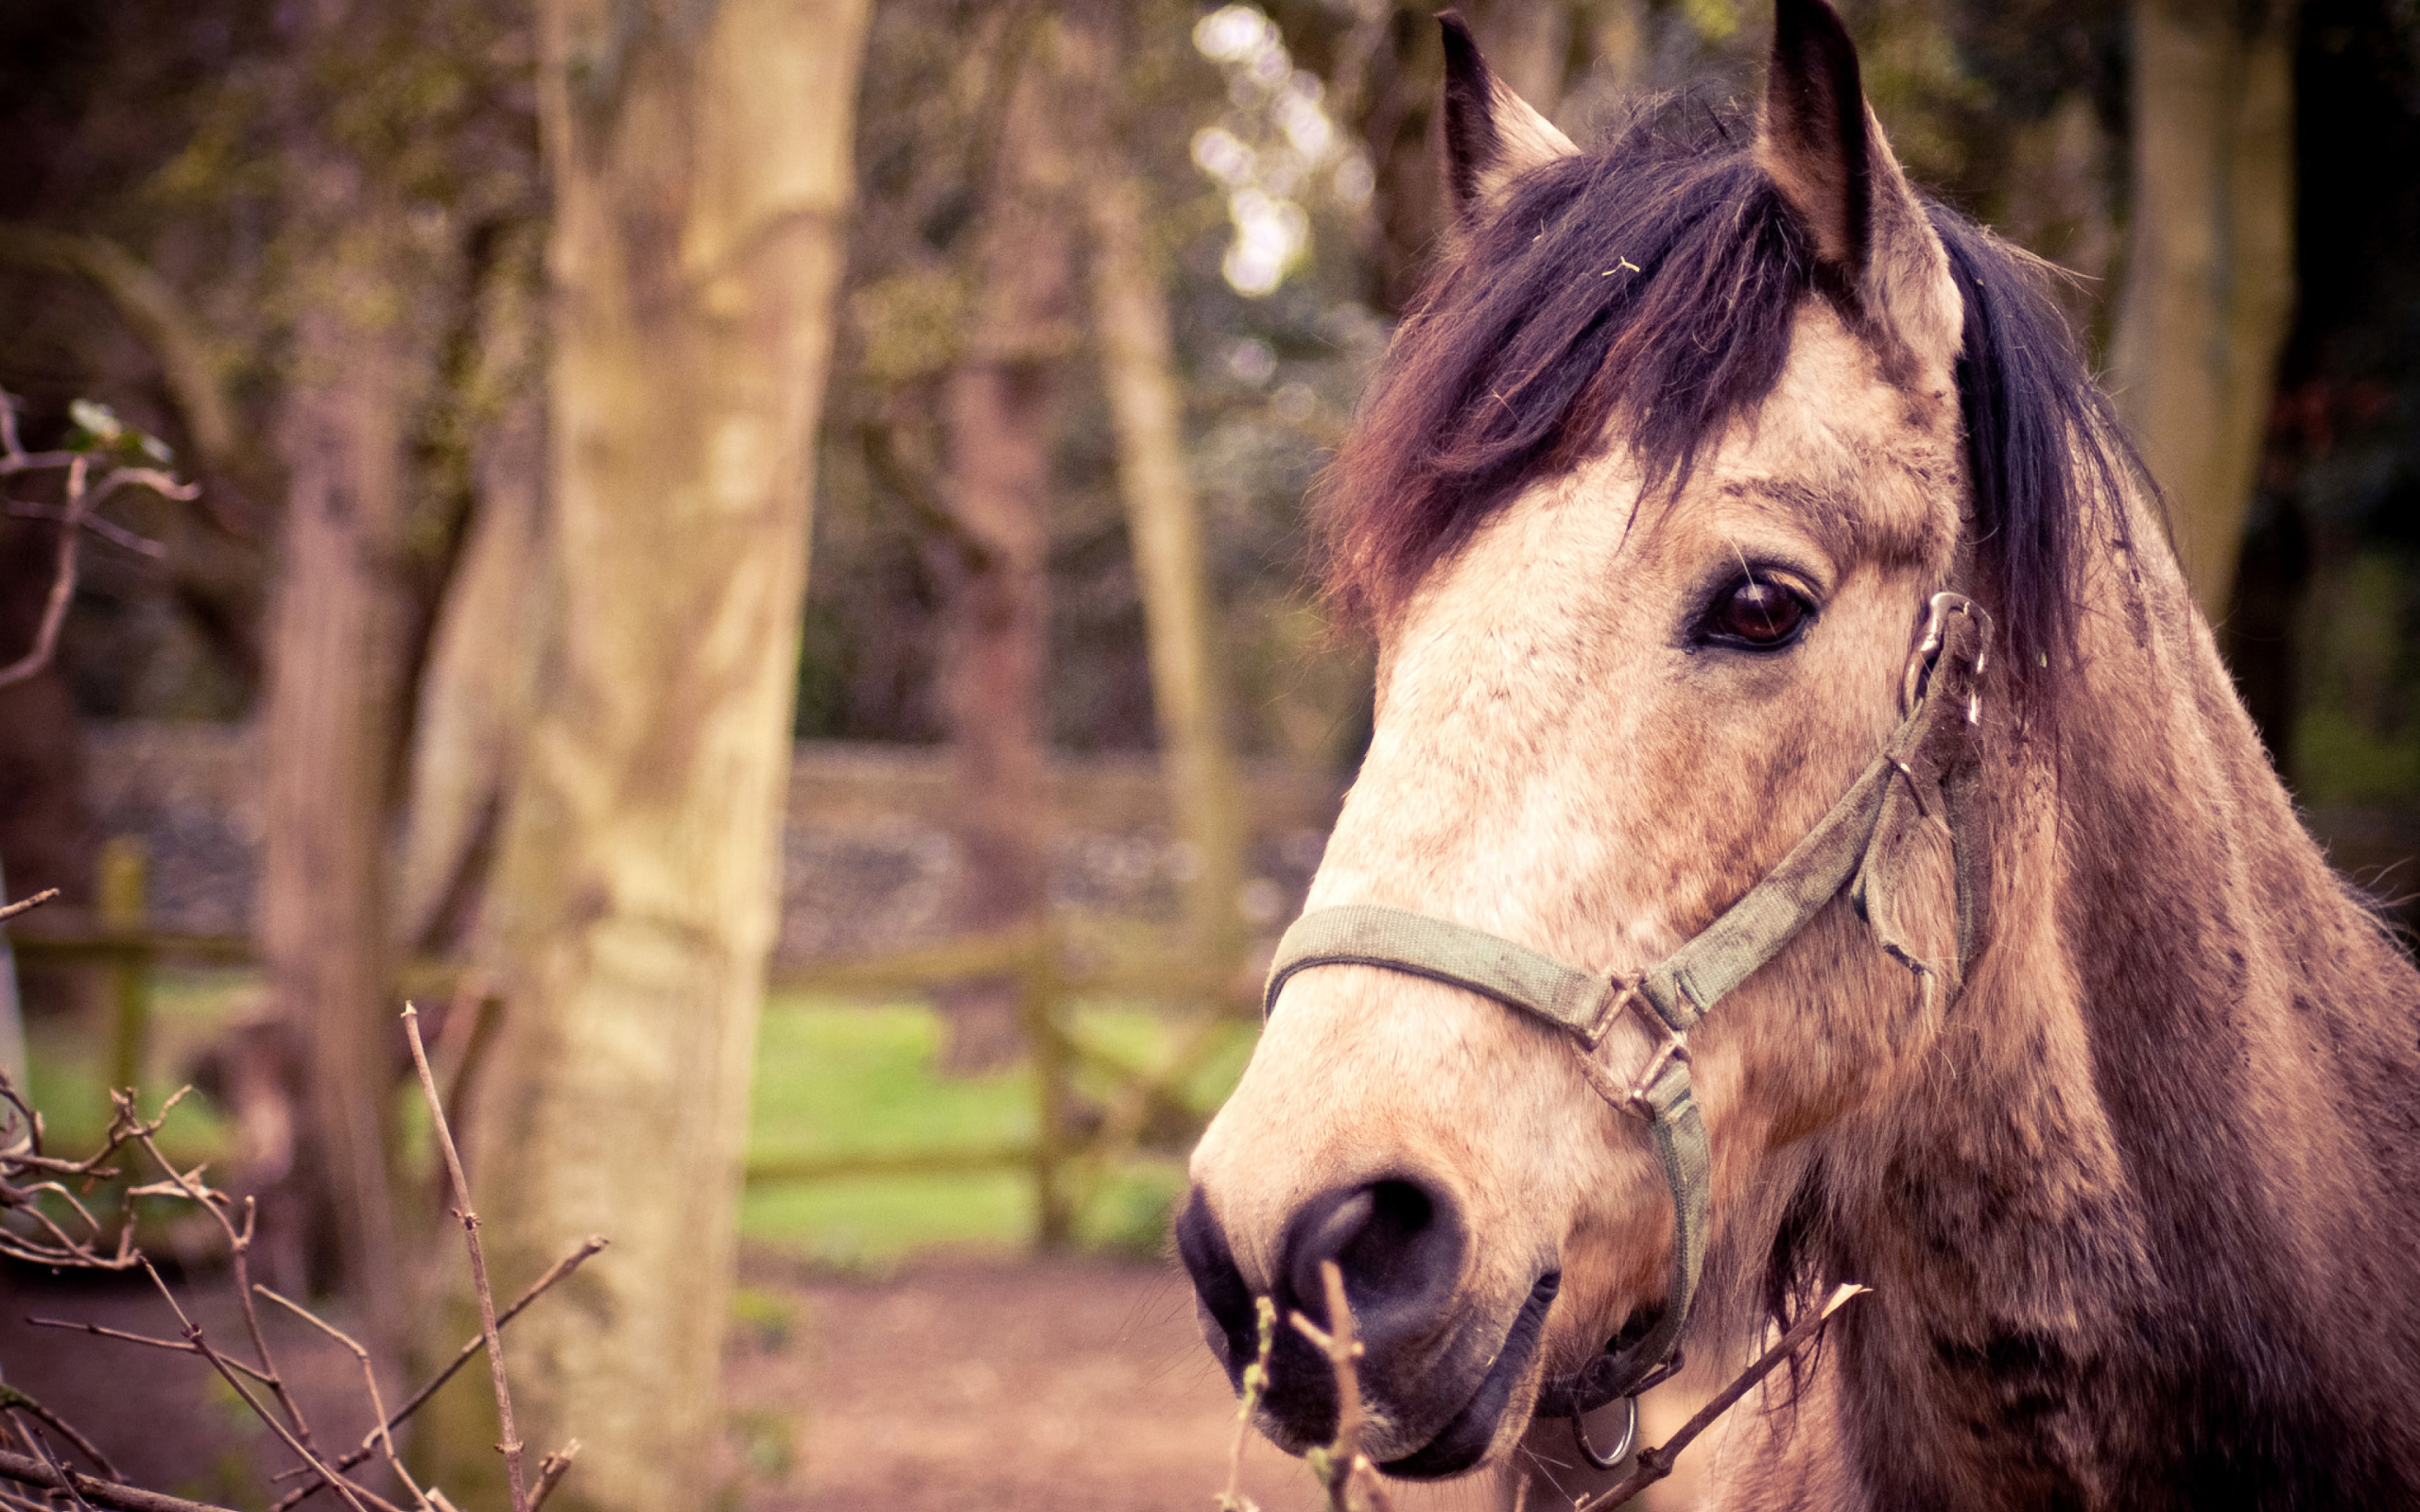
(1657, 279)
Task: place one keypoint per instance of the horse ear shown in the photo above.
(1492, 135)
(1827, 157)
(1814, 139)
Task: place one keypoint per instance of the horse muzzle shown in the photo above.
(1437, 1374)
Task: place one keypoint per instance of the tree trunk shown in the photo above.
(2209, 281)
(1138, 368)
(700, 176)
(335, 641)
(477, 690)
(998, 405)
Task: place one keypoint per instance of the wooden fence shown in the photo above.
(1065, 1164)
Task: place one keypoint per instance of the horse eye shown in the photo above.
(1757, 613)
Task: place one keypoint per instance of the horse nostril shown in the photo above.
(1323, 1236)
(1218, 1283)
(1398, 1245)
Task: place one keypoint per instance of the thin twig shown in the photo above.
(41, 1447)
(239, 1247)
(1341, 1465)
(1255, 1383)
(11, 1397)
(98, 1332)
(429, 1389)
(511, 1447)
(358, 1495)
(24, 906)
(1656, 1464)
(115, 534)
(27, 1470)
(369, 1378)
(550, 1473)
(83, 496)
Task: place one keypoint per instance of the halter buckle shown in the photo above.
(1927, 655)
(1674, 1048)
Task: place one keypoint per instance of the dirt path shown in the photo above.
(999, 1384)
(1075, 1385)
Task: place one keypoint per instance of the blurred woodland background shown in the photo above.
(522, 355)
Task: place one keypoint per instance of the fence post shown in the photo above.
(123, 885)
(1054, 1211)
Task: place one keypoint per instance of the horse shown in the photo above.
(1808, 836)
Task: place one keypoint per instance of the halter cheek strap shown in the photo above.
(1866, 838)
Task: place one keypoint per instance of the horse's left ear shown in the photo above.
(1826, 155)
(1493, 135)
(1814, 141)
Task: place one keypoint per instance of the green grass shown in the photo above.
(835, 1080)
(832, 1078)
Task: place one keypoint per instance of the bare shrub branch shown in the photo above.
(16, 1400)
(463, 1356)
(511, 1447)
(78, 1238)
(83, 496)
(1656, 1464)
(1341, 1467)
(370, 1383)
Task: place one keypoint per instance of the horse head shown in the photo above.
(1649, 509)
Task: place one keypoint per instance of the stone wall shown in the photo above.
(868, 861)
(867, 857)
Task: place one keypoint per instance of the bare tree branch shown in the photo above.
(1255, 1382)
(1341, 1467)
(179, 1346)
(511, 1447)
(550, 1473)
(1656, 1464)
(27, 905)
(115, 534)
(17, 1401)
(369, 1379)
(239, 1247)
(83, 496)
(469, 1351)
(27, 1470)
(358, 1495)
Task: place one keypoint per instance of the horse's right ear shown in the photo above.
(1493, 135)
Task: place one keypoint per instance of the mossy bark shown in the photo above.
(2210, 273)
(700, 171)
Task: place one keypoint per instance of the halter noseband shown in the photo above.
(1865, 839)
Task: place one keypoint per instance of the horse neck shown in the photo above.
(2165, 1161)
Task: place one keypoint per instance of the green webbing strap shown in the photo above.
(1677, 1130)
(1441, 951)
(1686, 985)
(1848, 842)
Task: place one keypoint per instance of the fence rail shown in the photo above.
(1064, 1163)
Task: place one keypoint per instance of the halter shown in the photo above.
(1865, 843)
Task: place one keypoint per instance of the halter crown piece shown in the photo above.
(1864, 843)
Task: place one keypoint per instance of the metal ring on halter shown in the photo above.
(1620, 1450)
(1927, 651)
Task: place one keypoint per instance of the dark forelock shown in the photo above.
(1657, 281)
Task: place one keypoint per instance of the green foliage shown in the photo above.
(765, 1441)
(2357, 739)
(95, 428)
